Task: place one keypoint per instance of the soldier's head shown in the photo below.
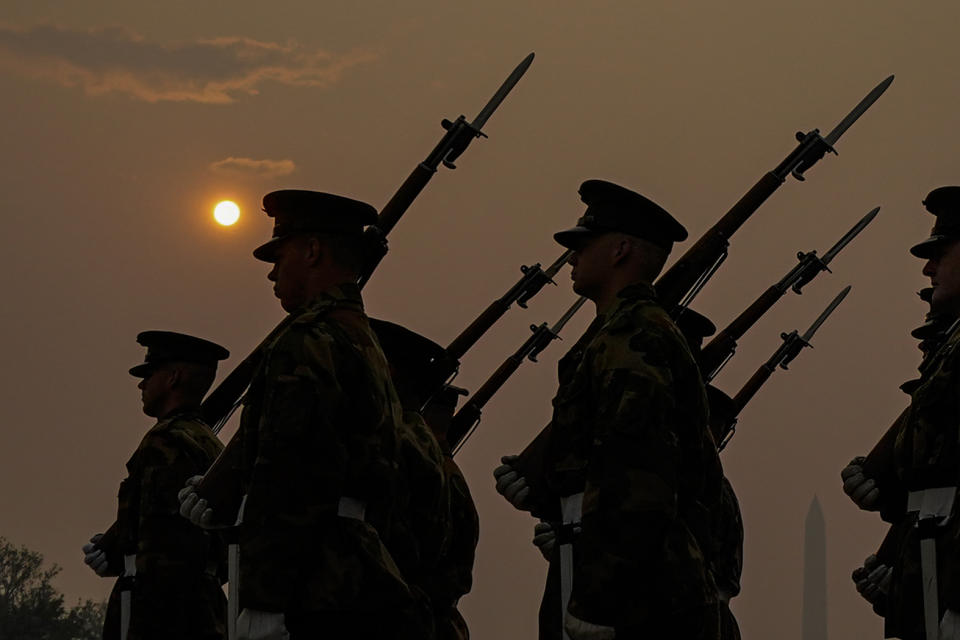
(622, 238)
(942, 251)
(177, 371)
(317, 243)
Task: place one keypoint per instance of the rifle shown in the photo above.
(467, 418)
(681, 283)
(222, 401)
(677, 288)
(718, 351)
(724, 426)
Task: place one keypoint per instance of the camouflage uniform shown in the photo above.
(926, 454)
(629, 430)
(318, 433)
(176, 592)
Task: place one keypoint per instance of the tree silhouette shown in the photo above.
(31, 609)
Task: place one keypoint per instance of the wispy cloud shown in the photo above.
(212, 71)
(248, 167)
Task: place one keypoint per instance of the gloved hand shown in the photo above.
(95, 558)
(545, 539)
(193, 507)
(949, 626)
(579, 629)
(861, 489)
(873, 582)
(510, 484)
(261, 625)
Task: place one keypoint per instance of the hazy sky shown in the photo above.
(124, 122)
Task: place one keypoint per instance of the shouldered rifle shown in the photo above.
(222, 401)
(459, 134)
(466, 419)
(793, 344)
(720, 349)
(681, 283)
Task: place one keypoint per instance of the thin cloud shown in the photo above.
(248, 167)
(210, 71)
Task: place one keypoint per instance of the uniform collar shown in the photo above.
(341, 296)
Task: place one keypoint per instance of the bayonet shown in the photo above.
(808, 334)
(858, 111)
(810, 264)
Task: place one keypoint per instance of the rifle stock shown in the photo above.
(716, 353)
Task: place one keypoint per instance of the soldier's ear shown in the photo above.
(621, 249)
(174, 377)
(314, 250)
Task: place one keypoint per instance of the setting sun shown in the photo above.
(226, 213)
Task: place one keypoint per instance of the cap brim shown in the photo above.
(268, 250)
(574, 237)
(142, 370)
(930, 247)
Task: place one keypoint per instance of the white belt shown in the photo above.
(129, 571)
(933, 508)
(571, 511)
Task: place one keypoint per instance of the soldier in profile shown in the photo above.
(169, 571)
(913, 478)
(318, 461)
(627, 464)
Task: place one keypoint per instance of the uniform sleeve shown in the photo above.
(165, 540)
(631, 489)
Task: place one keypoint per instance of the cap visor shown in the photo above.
(141, 370)
(268, 250)
(574, 237)
(929, 247)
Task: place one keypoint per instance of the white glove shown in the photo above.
(873, 580)
(510, 484)
(261, 625)
(949, 626)
(861, 489)
(579, 629)
(545, 539)
(193, 507)
(95, 558)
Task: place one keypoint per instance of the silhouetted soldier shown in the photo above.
(170, 571)
(630, 468)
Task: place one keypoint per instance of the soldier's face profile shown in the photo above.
(153, 389)
(590, 265)
(943, 269)
(288, 274)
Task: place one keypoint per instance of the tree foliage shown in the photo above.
(30, 607)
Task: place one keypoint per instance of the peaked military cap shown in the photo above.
(944, 203)
(695, 327)
(611, 207)
(168, 346)
(297, 211)
(413, 359)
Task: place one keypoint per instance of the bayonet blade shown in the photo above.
(501, 93)
(858, 111)
(565, 318)
(850, 235)
(826, 314)
(558, 264)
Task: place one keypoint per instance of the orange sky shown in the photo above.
(124, 122)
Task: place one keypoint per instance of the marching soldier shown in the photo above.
(169, 584)
(319, 461)
(629, 469)
(918, 491)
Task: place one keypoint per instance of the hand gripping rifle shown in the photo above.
(724, 424)
(222, 401)
(467, 418)
(718, 351)
(681, 283)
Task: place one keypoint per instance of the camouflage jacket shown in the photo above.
(176, 592)
(927, 455)
(319, 424)
(629, 430)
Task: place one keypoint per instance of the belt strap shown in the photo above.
(571, 510)
(129, 572)
(933, 508)
(233, 575)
